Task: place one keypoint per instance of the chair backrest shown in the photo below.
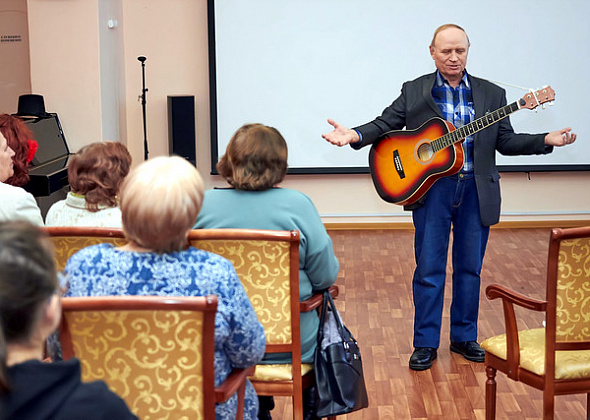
(157, 353)
(267, 263)
(568, 289)
(68, 240)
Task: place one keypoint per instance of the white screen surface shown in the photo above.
(292, 64)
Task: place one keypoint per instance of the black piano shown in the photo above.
(49, 168)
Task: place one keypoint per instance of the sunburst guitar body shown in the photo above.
(405, 163)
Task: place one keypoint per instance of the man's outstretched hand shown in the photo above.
(341, 136)
(560, 138)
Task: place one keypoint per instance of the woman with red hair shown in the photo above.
(16, 203)
(21, 141)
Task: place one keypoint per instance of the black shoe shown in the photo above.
(422, 358)
(469, 350)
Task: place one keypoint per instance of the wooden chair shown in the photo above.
(157, 353)
(69, 239)
(267, 263)
(554, 359)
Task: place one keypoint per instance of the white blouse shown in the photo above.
(73, 212)
(18, 204)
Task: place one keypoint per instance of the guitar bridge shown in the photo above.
(398, 164)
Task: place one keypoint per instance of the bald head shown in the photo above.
(447, 26)
(449, 49)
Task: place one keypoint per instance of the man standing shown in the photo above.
(468, 201)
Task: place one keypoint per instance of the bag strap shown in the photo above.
(323, 316)
(328, 305)
(332, 307)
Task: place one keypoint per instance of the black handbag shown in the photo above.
(338, 366)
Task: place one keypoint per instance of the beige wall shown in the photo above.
(65, 65)
(15, 77)
(65, 68)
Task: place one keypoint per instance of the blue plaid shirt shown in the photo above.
(456, 105)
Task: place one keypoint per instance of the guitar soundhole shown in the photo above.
(425, 152)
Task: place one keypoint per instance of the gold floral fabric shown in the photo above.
(573, 291)
(572, 318)
(278, 372)
(263, 268)
(66, 246)
(568, 364)
(152, 359)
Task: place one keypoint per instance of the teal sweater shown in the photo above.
(280, 209)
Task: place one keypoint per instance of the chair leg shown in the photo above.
(588, 406)
(548, 404)
(297, 405)
(490, 393)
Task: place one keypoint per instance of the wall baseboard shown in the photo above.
(519, 224)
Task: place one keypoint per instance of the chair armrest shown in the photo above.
(232, 383)
(315, 301)
(494, 291)
(509, 299)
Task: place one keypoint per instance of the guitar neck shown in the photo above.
(474, 126)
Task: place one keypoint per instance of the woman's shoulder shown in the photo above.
(66, 396)
(103, 250)
(53, 214)
(94, 400)
(276, 191)
(13, 192)
(18, 204)
(293, 198)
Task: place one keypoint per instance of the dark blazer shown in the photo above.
(415, 106)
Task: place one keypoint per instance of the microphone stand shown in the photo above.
(143, 106)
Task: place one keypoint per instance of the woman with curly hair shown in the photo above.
(95, 175)
(16, 203)
(20, 139)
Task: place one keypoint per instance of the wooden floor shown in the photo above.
(375, 301)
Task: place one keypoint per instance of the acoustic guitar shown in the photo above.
(405, 163)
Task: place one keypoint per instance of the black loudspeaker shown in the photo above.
(181, 127)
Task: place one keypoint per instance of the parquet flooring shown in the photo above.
(375, 301)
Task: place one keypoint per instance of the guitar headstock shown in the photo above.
(533, 99)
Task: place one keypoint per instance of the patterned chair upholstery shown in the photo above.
(157, 353)
(68, 240)
(554, 359)
(267, 263)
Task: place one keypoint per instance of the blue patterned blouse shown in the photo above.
(102, 270)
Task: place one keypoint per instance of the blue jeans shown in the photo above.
(451, 201)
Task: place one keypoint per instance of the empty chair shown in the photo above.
(556, 358)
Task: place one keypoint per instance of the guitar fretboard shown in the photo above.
(473, 127)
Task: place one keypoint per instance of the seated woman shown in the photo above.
(160, 201)
(29, 311)
(254, 163)
(16, 203)
(95, 175)
(20, 140)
